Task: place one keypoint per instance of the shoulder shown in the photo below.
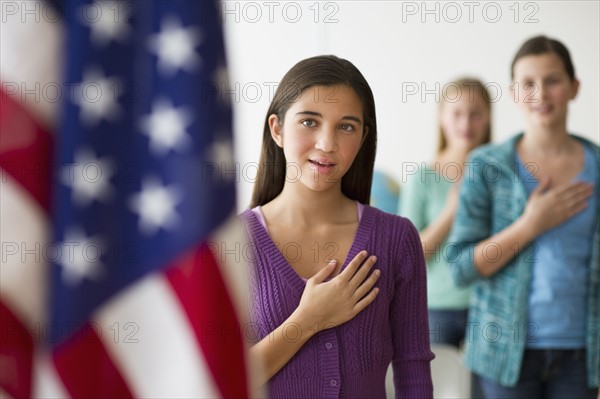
(490, 163)
(244, 215)
(380, 216)
(387, 223)
(593, 147)
(252, 225)
(496, 152)
(397, 238)
(247, 217)
(585, 141)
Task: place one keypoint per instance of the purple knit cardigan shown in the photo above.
(350, 360)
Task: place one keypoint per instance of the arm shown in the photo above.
(408, 314)
(437, 231)
(412, 206)
(472, 224)
(545, 209)
(276, 349)
(324, 304)
(471, 238)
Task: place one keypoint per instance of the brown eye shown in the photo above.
(308, 122)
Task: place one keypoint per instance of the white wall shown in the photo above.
(397, 45)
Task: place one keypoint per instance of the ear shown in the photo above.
(575, 89)
(276, 130)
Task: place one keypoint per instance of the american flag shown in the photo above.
(116, 156)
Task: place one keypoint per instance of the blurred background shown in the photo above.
(167, 265)
(407, 51)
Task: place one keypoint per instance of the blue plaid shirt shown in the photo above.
(492, 197)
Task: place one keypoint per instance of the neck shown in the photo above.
(452, 155)
(298, 205)
(545, 141)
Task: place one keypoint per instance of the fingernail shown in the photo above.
(374, 258)
(332, 261)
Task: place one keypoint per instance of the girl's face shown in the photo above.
(465, 121)
(542, 88)
(321, 135)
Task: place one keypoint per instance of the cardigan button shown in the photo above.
(329, 345)
(333, 383)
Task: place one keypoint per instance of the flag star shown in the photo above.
(166, 126)
(221, 152)
(107, 20)
(175, 47)
(97, 96)
(155, 205)
(80, 257)
(88, 177)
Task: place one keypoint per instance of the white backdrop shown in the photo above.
(407, 51)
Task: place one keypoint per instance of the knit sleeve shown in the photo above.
(412, 353)
(472, 223)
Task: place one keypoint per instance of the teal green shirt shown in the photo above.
(423, 199)
(492, 196)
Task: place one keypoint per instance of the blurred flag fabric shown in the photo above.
(120, 255)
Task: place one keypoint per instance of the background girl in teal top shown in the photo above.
(527, 234)
(430, 199)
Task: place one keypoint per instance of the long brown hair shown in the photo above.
(477, 87)
(324, 70)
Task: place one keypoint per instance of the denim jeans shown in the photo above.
(546, 374)
(449, 327)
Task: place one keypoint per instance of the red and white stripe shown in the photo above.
(183, 318)
(29, 59)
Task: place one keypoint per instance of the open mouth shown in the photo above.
(322, 166)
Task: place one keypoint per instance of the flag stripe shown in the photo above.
(24, 234)
(232, 251)
(46, 382)
(31, 58)
(148, 336)
(25, 150)
(86, 369)
(16, 355)
(4, 394)
(220, 338)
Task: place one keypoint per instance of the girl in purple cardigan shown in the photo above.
(338, 287)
